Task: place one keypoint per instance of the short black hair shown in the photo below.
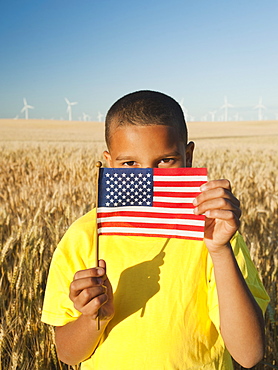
(146, 107)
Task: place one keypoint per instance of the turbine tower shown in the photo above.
(236, 117)
(260, 108)
(25, 108)
(225, 107)
(212, 115)
(70, 104)
(99, 116)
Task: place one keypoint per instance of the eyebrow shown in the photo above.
(172, 154)
(130, 158)
(124, 158)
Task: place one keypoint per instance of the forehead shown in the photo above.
(157, 137)
(115, 123)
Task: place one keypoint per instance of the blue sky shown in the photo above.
(94, 52)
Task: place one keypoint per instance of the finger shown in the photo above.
(215, 194)
(223, 183)
(229, 216)
(217, 204)
(92, 272)
(88, 295)
(92, 308)
(102, 264)
(77, 286)
(85, 283)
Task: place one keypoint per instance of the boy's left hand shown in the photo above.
(222, 212)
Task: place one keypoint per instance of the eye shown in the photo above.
(129, 164)
(166, 162)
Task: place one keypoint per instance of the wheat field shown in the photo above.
(46, 184)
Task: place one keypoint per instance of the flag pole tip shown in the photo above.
(98, 164)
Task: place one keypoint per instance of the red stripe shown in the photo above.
(151, 226)
(153, 235)
(173, 205)
(188, 184)
(150, 215)
(180, 171)
(175, 194)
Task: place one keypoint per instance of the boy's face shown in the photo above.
(148, 147)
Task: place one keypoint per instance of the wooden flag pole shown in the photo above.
(98, 166)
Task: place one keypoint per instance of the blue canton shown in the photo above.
(122, 187)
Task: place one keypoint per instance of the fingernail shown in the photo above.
(196, 210)
(195, 202)
(203, 187)
(100, 271)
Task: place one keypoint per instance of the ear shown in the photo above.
(107, 157)
(189, 153)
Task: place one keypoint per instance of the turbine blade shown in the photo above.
(259, 106)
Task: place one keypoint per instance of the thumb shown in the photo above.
(102, 263)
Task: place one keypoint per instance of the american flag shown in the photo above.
(150, 202)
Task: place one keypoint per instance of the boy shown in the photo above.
(177, 304)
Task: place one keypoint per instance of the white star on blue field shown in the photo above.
(122, 189)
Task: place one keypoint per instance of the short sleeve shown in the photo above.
(72, 254)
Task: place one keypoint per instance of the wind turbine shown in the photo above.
(260, 108)
(212, 115)
(236, 117)
(99, 116)
(185, 111)
(225, 107)
(86, 117)
(25, 108)
(220, 118)
(70, 104)
(190, 118)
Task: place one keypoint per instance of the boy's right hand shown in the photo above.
(91, 293)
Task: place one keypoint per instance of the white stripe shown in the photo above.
(179, 178)
(172, 200)
(177, 189)
(111, 230)
(151, 220)
(183, 211)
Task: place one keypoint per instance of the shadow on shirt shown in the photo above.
(137, 285)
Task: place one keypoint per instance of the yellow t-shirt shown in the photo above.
(166, 306)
